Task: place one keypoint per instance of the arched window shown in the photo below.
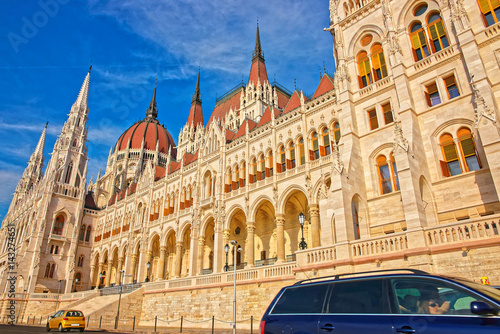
(229, 180)
(325, 149)
(419, 41)
(52, 270)
(87, 236)
(336, 132)
(490, 10)
(437, 33)
(58, 225)
(282, 160)
(253, 171)
(468, 149)
(355, 219)
(82, 233)
(314, 153)
(364, 69)
(451, 165)
(384, 175)
(68, 172)
(236, 178)
(378, 62)
(262, 167)
(394, 170)
(291, 153)
(302, 154)
(270, 163)
(243, 174)
(47, 271)
(80, 261)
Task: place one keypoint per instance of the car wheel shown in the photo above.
(47, 328)
(61, 329)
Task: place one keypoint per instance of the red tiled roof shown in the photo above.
(174, 165)
(222, 108)
(150, 132)
(258, 71)
(229, 135)
(282, 99)
(89, 201)
(293, 103)
(243, 128)
(325, 85)
(159, 172)
(195, 115)
(266, 117)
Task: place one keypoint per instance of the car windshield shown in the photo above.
(74, 314)
(482, 288)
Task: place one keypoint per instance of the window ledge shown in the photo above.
(444, 179)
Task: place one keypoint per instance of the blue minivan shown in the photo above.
(383, 302)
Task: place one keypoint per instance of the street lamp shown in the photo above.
(76, 283)
(119, 299)
(148, 265)
(226, 249)
(58, 289)
(100, 279)
(234, 243)
(303, 244)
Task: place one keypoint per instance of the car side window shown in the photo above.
(426, 296)
(59, 314)
(360, 296)
(301, 299)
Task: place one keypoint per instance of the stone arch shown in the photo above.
(265, 242)
(359, 226)
(287, 193)
(256, 203)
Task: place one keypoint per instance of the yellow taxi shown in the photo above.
(66, 320)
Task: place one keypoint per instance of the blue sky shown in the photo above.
(46, 48)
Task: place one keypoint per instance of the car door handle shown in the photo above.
(406, 330)
(327, 327)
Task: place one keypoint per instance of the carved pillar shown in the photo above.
(280, 237)
(92, 272)
(147, 259)
(101, 265)
(108, 272)
(161, 264)
(133, 266)
(315, 225)
(225, 237)
(118, 273)
(199, 259)
(250, 251)
(178, 259)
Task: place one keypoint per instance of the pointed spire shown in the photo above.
(258, 53)
(195, 117)
(38, 153)
(152, 112)
(197, 94)
(80, 104)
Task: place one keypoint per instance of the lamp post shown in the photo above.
(148, 265)
(58, 289)
(100, 280)
(303, 244)
(119, 299)
(76, 283)
(226, 249)
(234, 243)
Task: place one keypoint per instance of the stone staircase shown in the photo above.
(95, 305)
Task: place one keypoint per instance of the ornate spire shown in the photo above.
(152, 112)
(197, 94)
(258, 53)
(81, 102)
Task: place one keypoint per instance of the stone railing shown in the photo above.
(67, 190)
(47, 296)
(460, 232)
(381, 245)
(434, 58)
(318, 255)
(250, 274)
(78, 295)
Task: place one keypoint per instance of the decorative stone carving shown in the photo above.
(481, 108)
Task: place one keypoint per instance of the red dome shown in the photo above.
(149, 131)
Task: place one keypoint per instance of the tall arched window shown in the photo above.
(384, 175)
(468, 149)
(314, 153)
(291, 153)
(80, 261)
(47, 271)
(243, 174)
(236, 178)
(282, 159)
(68, 172)
(336, 132)
(378, 62)
(325, 149)
(87, 236)
(262, 166)
(302, 154)
(364, 69)
(419, 41)
(253, 171)
(82, 233)
(229, 180)
(395, 177)
(451, 164)
(437, 33)
(269, 170)
(58, 225)
(490, 10)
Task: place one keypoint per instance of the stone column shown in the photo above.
(119, 275)
(178, 259)
(147, 259)
(280, 236)
(99, 271)
(133, 265)
(199, 258)
(225, 238)
(92, 272)
(250, 251)
(161, 264)
(108, 272)
(315, 225)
